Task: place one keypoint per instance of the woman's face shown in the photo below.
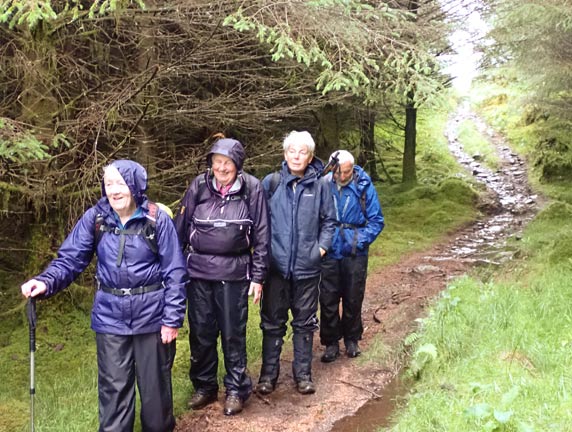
(118, 192)
(223, 169)
(298, 158)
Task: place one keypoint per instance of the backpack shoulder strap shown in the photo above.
(246, 194)
(362, 198)
(99, 228)
(149, 231)
(200, 196)
(153, 209)
(274, 182)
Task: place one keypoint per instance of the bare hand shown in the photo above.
(168, 334)
(322, 252)
(256, 289)
(33, 288)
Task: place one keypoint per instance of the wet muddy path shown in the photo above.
(358, 395)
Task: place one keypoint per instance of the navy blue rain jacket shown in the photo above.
(140, 266)
(302, 221)
(355, 227)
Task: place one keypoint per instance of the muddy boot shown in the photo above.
(302, 364)
(332, 353)
(270, 370)
(352, 349)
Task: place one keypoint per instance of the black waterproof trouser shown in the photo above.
(342, 279)
(301, 297)
(121, 361)
(218, 307)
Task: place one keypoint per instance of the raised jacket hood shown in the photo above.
(135, 177)
(230, 148)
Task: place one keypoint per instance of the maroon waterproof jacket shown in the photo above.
(225, 238)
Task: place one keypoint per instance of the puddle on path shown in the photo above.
(376, 413)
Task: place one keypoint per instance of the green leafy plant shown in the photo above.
(29, 13)
(422, 357)
(19, 144)
(496, 418)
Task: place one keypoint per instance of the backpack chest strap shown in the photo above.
(121, 233)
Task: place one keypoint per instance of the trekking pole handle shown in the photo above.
(31, 311)
(332, 165)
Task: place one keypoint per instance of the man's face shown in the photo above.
(223, 169)
(343, 175)
(298, 158)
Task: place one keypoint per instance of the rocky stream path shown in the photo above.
(395, 297)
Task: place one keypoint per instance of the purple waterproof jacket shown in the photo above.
(225, 238)
(140, 266)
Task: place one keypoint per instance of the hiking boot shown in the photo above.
(352, 349)
(306, 387)
(201, 400)
(332, 353)
(232, 405)
(264, 387)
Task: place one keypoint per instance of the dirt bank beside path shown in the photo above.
(395, 297)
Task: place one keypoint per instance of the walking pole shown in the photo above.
(31, 312)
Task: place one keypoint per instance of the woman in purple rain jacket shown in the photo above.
(139, 302)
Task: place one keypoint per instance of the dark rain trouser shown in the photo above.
(301, 297)
(123, 359)
(342, 279)
(218, 307)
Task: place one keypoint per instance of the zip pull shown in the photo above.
(226, 198)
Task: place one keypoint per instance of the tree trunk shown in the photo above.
(409, 174)
(329, 139)
(409, 169)
(367, 156)
(39, 73)
(145, 142)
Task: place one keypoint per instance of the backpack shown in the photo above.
(147, 231)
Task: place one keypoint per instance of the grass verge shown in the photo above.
(496, 356)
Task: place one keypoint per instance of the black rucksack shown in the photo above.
(147, 231)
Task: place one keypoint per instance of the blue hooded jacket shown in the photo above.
(140, 266)
(355, 227)
(302, 221)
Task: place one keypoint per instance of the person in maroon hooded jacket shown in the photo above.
(222, 223)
